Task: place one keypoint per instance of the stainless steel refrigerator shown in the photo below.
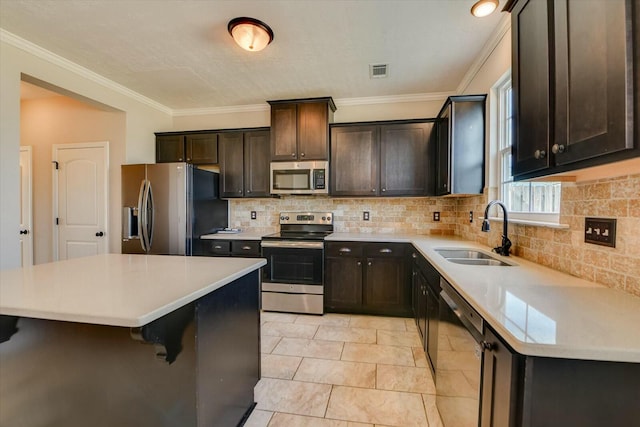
(166, 207)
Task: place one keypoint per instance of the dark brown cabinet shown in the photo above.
(244, 163)
(170, 148)
(460, 153)
(426, 290)
(223, 247)
(574, 74)
(195, 148)
(300, 129)
(370, 278)
(382, 159)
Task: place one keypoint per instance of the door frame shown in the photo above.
(54, 162)
(28, 149)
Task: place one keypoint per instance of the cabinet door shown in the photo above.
(420, 304)
(531, 88)
(385, 286)
(231, 153)
(170, 148)
(256, 164)
(313, 130)
(284, 132)
(343, 284)
(432, 313)
(202, 148)
(354, 161)
(404, 159)
(443, 153)
(594, 85)
(499, 384)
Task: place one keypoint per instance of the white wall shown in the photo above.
(142, 120)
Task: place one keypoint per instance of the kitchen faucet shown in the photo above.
(506, 243)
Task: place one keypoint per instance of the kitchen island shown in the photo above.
(130, 340)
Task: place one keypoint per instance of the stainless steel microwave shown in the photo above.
(308, 177)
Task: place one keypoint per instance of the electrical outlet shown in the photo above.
(470, 216)
(436, 216)
(365, 216)
(254, 215)
(600, 231)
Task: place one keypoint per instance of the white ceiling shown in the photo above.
(179, 53)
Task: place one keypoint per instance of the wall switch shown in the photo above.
(600, 231)
(254, 215)
(436, 216)
(470, 216)
(365, 216)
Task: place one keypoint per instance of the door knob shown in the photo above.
(539, 154)
(99, 234)
(24, 231)
(557, 148)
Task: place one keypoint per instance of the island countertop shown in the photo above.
(537, 311)
(115, 289)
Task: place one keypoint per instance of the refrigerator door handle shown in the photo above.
(142, 214)
(152, 213)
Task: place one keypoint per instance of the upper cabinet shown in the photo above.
(300, 129)
(573, 76)
(244, 164)
(382, 159)
(460, 146)
(195, 148)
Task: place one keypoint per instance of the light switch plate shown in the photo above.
(600, 231)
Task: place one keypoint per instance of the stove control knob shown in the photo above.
(281, 218)
(324, 218)
(328, 218)
(286, 218)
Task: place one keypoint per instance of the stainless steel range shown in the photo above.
(293, 279)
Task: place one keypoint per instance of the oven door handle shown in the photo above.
(292, 245)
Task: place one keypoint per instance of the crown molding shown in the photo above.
(498, 33)
(46, 55)
(416, 97)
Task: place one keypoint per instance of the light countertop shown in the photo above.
(243, 235)
(538, 311)
(114, 289)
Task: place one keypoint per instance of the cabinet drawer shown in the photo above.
(217, 247)
(245, 247)
(348, 249)
(385, 250)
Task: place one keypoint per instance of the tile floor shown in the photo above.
(342, 371)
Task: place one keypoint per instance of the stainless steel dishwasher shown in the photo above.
(460, 338)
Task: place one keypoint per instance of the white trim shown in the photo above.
(498, 33)
(55, 147)
(29, 226)
(46, 55)
(221, 110)
(416, 97)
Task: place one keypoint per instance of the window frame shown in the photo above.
(503, 149)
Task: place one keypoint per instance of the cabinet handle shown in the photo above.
(344, 250)
(385, 251)
(180, 159)
(373, 190)
(414, 256)
(384, 189)
(217, 247)
(539, 154)
(240, 191)
(248, 191)
(486, 345)
(555, 149)
(358, 263)
(293, 154)
(369, 263)
(246, 248)
(301, 154)
(188, 159)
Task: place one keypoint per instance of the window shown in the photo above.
(535, 201)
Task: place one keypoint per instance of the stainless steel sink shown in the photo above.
(471, 257)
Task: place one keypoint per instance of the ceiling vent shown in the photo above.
(378, 71)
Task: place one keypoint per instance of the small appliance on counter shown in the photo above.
(293, 279)
(168, 206)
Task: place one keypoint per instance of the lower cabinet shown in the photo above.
(426, 290)
(219, 247)
(371, 278)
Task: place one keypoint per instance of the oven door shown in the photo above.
(290, 262)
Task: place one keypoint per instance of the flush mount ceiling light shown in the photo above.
(484, 8)
(250, 34)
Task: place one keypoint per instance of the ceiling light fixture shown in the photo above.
(484, 8)
(250, 34)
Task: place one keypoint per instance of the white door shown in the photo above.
(26, 207)
(80, 199)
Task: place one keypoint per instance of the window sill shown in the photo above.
(533, 223)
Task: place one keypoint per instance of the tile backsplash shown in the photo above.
(560, 249)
